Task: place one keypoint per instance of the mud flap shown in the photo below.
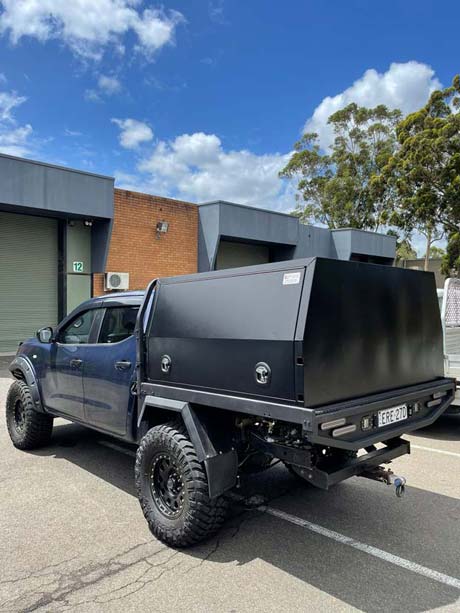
(221, 465)
(221, 470)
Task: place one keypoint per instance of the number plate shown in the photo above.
(391, 416)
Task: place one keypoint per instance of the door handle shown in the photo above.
(76, 363)
(123, 365)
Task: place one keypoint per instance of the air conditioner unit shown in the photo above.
(117, 280)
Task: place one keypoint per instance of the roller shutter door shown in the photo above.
(28, 277)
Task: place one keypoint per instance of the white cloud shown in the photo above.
(8, 101)
(73, 133)
(133, 132)
(403, 86)
(92, 95)
(154, 29)
(172, 84)
(196, 167)
(87, 27)
(14, 139)
(216, 11)
(106, 86)
(109, 85)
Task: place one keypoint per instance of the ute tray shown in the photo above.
(327, 331)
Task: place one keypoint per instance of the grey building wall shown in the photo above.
(314, 241)
(36, 188)
(54, 189)
(83, 205)
(249, 223)
(208, 236)
(350, 242)
(285, 236)
(222, 220)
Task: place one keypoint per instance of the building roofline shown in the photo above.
(56, 166)
(363, 231)
(245, 206)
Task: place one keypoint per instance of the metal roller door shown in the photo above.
(28, 277)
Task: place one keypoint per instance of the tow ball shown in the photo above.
(386, 475)
(400, 485)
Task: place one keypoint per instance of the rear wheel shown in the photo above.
(28, 429)
(173, 489)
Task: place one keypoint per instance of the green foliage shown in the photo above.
(451, 261)
(436, 252)
(425, 170)
(385, 170)
(339, 187)
(404, 249)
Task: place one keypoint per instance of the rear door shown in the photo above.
(109, 370)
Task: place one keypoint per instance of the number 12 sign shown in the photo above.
(78, 266)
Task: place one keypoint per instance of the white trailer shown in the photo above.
(449, 304)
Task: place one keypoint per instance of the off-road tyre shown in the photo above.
(28, 429)
(192, 516)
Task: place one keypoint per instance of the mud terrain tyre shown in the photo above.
(172, 488)
(28, 429)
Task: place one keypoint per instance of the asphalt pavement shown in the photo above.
(73, 537)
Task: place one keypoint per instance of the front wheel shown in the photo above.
(28, 429)
(172, 488)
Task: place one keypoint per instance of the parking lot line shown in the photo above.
(451, 453)
(342, 538)
(369, 549)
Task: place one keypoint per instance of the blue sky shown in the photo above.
(204, 99)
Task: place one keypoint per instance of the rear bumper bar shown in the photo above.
(454, 408)
(425, 403)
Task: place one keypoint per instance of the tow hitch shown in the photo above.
(386, 475)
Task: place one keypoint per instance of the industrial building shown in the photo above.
(66, 235)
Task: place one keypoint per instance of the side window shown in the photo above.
(118, 324)
(77, 331)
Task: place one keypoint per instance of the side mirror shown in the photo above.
(45, 335)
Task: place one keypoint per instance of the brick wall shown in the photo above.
(134, 246)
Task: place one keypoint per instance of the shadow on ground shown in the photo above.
(446, 428)
(413, 529)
